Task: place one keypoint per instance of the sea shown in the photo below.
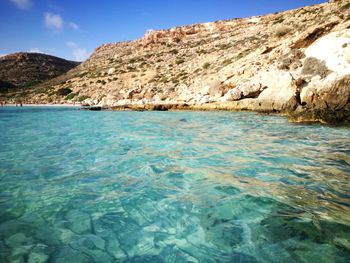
(186, 186)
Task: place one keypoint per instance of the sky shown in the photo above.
(72, 29)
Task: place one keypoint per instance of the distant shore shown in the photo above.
(43, 105)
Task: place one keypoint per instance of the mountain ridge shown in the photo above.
(26, 69)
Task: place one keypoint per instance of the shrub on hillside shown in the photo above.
(63, 91)
(70, 96)
(179, 61)
(345, 7)
(281, 30)
(227, 62)
(206, 65)
(174, 51)
(313, 67)
(82, 98)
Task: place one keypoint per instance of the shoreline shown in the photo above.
(294, 115)
(41, 105)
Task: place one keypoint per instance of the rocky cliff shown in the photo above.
(27, 69)
(297, 62)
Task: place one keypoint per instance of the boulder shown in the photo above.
(250, 89)
(215, 89)
(233, 95)
(280, 93)
(89, 102)
(328, 103)
(107, 101)
(334, 95)
(111, 71)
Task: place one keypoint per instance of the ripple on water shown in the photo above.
(80, 186)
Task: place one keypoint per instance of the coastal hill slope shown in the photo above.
(296, 62)
(26, 69)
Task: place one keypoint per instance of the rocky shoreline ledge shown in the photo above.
(325, 115)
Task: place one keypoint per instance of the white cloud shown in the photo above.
(80, 54)
(73, 25)
(22, 4)
(35, 50)
(71, 44)
(2, 55)
(54, 21)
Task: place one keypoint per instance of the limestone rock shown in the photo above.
(280, 93)
(330, 49)
(250, 89)
(334, 95)
(325, 102)
(111, 71)
(108, 100)
(233, 95)
(215, 89)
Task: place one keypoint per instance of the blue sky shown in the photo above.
(72, 29)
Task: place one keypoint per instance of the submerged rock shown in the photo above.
(79, 222)
(19, 239)
(35, 257)
(67, 254)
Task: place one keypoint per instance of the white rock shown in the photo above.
(249, 88)
(330, 48)
(347, 54)
(254, 20)
(215, 89)
(122, 102)
(205, 99)
(232, 95)
(107, 101)
(111, 71)
(89, 102)
(280, 88)
(205, 90)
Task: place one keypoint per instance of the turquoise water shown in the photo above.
(79, 186)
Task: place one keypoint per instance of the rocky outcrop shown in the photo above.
(295, 62)
(325, 95)
(23, 69)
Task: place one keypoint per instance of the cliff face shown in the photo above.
(23, 69)
(295, 61)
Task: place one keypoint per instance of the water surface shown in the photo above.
(79, 186)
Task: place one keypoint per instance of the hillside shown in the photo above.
(23, 70)
(295, 62)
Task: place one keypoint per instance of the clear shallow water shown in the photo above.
(80, 186)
